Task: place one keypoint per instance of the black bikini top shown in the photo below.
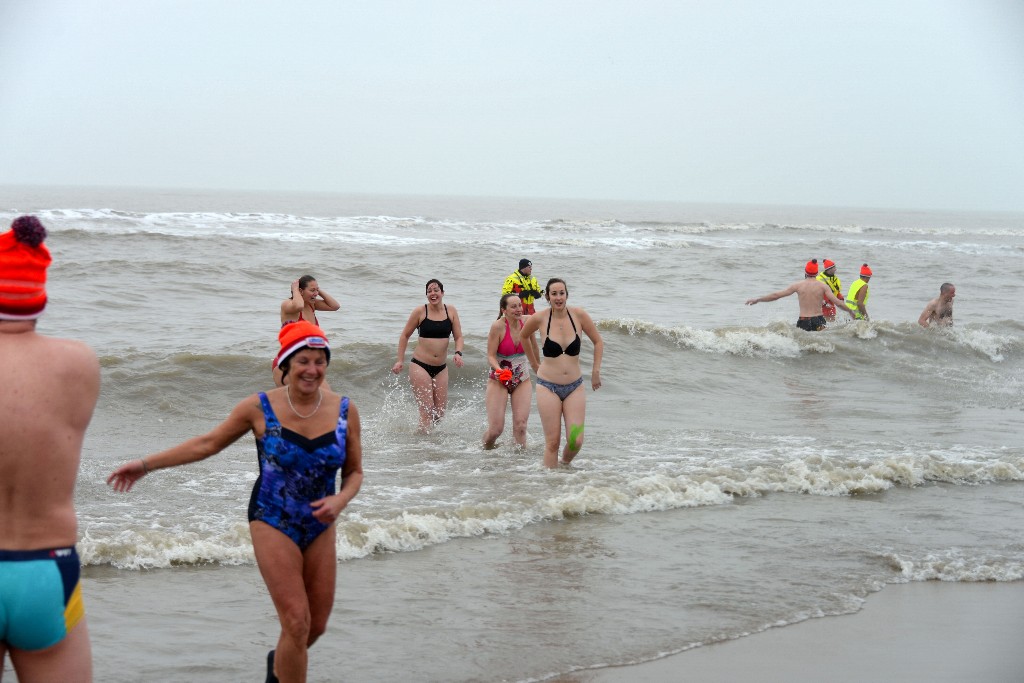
(553, 349)
(435, 329)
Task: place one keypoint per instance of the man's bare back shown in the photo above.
(50, 390)
(810, 293)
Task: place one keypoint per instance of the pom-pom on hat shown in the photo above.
(525, 263)
(300, 335)
(23, 263)
(864, 270)
(812, 267)
(826, 264)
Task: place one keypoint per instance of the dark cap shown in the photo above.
(525, 263)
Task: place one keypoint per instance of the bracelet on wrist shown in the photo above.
(458, 353)
(145, 467)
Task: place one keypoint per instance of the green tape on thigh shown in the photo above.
(574, 433)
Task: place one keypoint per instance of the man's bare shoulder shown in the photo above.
(64, 360)
(69, 352)
(809, 284)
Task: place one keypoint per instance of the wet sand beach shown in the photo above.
(914, 633)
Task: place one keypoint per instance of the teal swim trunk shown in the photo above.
(40, 597)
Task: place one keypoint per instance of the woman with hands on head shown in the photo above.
(509, 378)
(428, 373)
(560, 394)
(304, 435)
(306, 299)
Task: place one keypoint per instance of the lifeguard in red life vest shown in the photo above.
(828, 276)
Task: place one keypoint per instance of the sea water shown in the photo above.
(738, 473)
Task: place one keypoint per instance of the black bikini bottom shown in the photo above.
(432, 370)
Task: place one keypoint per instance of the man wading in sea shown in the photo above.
(940, 309)
(810, 293)
(49, 393)
(857, 297)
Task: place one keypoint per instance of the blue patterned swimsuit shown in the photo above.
(295, 471)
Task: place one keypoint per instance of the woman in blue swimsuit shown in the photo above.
(560, 395)
(304, 435)
(428, 373)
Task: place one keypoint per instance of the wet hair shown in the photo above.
(431, 281)
(304, 282)
(503, 304)
(946, 286)
(547, 287)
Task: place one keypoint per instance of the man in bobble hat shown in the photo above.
(523, 283)
(857, 297)
(828, 276)
(50, 390)
(810, 291)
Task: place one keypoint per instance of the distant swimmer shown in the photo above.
(306, 299)
(940, 309)
(828, 276)
(810, 293)
(857, 297)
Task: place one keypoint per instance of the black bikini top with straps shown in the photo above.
(435, 329)
(552, 349)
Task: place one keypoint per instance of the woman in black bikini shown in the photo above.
(560, 395)
(428, 373)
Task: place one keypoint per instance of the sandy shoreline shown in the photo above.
(218, 623)
(918, 632)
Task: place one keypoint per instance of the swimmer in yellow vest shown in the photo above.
(828, 276)
(810, 293)
(857, 297)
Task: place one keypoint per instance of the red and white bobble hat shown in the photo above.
(23, 263)
(301, 335)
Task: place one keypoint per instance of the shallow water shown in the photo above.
(737, 473)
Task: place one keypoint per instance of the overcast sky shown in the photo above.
(890, 103)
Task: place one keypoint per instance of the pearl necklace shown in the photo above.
(288, 393)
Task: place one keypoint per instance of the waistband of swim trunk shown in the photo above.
(41, 554)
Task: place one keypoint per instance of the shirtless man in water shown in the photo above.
(810, 292)
(50, 387)
(940, 309)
